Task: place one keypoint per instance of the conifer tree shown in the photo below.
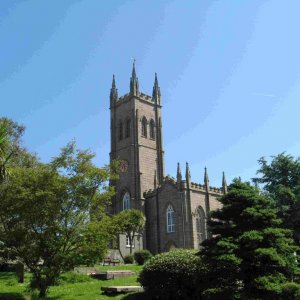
(281, 180)
(249, 256)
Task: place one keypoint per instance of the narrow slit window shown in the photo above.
(144, 127)
(120, 131)
(152, 130)
(128, 128)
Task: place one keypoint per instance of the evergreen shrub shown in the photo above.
(128, 259)
(142, 256)
(291, 291)
(172, 275)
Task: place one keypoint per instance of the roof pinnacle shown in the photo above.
(206, 179)
(134, 83)
(179, 176)
(133, 75)
(156, 91)
(224, 184)
(113, 92)
(187, 172)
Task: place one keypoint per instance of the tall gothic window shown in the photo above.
(126, 201)
(120, 131)
(170, 219)
(200, 225)
(127, 131)
(152, 129)
(144, 127)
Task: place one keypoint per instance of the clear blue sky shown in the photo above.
(229, 73)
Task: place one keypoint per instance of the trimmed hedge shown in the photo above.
(142, 256)
(173, 275)
(128, 259)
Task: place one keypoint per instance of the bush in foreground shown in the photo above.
(172, 275)
(128, 259)
(142, 256)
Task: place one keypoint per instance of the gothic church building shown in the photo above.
(176, 210)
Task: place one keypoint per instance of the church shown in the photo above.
(176, 210)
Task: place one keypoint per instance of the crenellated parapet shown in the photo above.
(123, 98)
(141, 96)
(196, 187)
(202, 187)
(150, 193)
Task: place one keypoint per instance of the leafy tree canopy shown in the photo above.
(3, 145)
(15, 153)
(52, 216)
(130, 222)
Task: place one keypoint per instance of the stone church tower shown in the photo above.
(176, 210)
(136, 140)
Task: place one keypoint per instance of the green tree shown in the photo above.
(130, 222)
(3, 152)
(281, 180)
(49, 217)
(12, 153)
(249, 255)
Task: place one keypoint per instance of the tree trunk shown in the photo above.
(130, 242)
(20, 272)
(42, 294)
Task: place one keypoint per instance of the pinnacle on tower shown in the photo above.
(134, 83)
(113, 86)
(179, 176)
(187, 174)
(206, 179)
(224, 184)
(113, 92)
(156, 91)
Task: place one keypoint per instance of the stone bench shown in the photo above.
(121, 289)
(112, 274)
(110, 261)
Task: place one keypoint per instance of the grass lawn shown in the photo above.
(75, 285)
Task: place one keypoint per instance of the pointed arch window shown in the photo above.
(170, 215)
(200, 225)
(144, 127)
(120, 131)
(126, 201)
(128, 127)
(152, 129)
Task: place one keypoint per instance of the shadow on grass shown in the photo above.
(7, 275)
(131, 296)
(137, 296)
(11, 296)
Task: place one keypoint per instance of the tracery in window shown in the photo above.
(126, 201)
(170, 215)
(200, 225)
